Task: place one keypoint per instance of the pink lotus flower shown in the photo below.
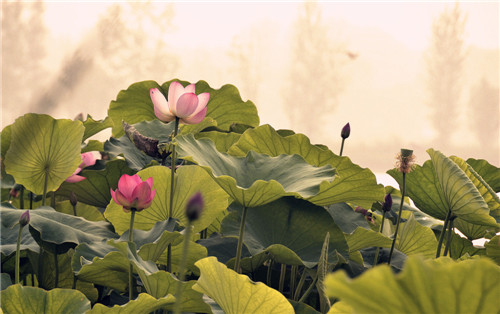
(182, 103)
(88, 160)
(133, 193)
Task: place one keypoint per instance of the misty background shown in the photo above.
(404, 75)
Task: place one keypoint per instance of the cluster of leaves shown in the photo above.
(300, 225)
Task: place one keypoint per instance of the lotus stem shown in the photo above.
(131, 269)
(300, 285)
(399, 218)
(375, 261)
(342, 147)
(18, 253)
(448, 240)
(293, 277)
(21, 198)
(269, 272)
(44, 196)
(31, 199)
(240, 240)
(40, 268)
(441, 237)
(182, 275)
(53, 200)
(282, 278)
(56, 265)
(309, 290)
(172, 191)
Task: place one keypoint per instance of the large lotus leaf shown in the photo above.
(161, 284)
(493, 249)
(340, 307)
(462, 197)
(423, 286)
(487, 171)
(9, 237)
(363, 238)
(207, 123)
(92, 127)
(59, 229)
(354, 184)
(5, 139)
(43, 150)
(346, 218)
(225, 106)
(5, 281)
(236, 293)
(440, 185)
(414, 238)
(134, 158)
(188, 181)
(291, 230)
(195, 253)
(18, 299)
(93, 145)
(223, 141)
(144, 304)
(82, 210)
(65, 276)
(489, 196)
(460, 247)
(256, 179)
(95, 189)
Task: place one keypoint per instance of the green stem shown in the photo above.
(44, 196)
(21, 198)
(240, 240)
(74, 282)
(309, 290)
(53, 200)
(293, 276)
(31, 199)
(269, 273)
(18, 254)
(182, 275)
(441, 237)
(342, 147)
(40, 268)
(172, 191)
(448, 240)
(375, 261)
(282, 278)
(56, 265)
(74, 210)
(130, 269)
(300, 285)
(399, 218)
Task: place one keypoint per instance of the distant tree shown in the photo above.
(23, 51)
(445, 59)
(314, 82)
(484, 113)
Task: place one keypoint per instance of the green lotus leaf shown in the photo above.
(135, 159)
(223, 141)
(65, 273)
(346, 218)
(5, 281)
(144, 304)
(321, 272)
(489, 196)
(302, 308)
(440, 185)
(64, 231)
(9, 237)
(340, 307)
(414, 239)
(19, 299)
(195, 253)
(188, 181)
(162, 284)
(82, 210)
(95, 189)
(256, 179)
(225, 106)
(92, 127)
(487, 171)
(43, 150)
(493, 249)
(354, 184)
(5, 139)
(196, 128)
(236, 293)
(460, 247)
(363, 238)
(279, 228)
(423, 286)
(93, 145)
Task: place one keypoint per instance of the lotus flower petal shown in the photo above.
(186, 105)
(195, 119)
(88, 159)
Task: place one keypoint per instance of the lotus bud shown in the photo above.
(14, 193)
(405, 160)
(73, 199)
(386, 207)
(194, 207)
(346, 131)
(24, 219)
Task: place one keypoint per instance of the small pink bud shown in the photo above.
(346, 131)
(24, 219)
(72, 198)
(194, 207)
(387, 203)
